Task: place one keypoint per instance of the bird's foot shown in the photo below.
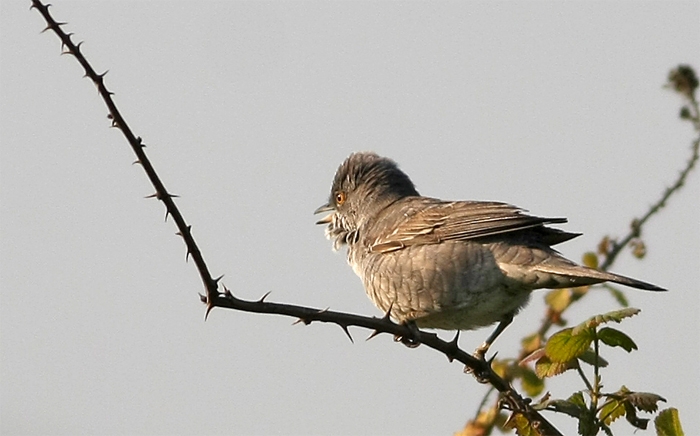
(483, 374)
(410, 340)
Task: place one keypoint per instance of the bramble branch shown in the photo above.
(512, 400)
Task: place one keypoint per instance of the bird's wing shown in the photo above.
(430, 221)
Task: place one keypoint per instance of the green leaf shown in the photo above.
(586, 424)
(611, 410)
(577, 399)
(558, 299)
(590, 259)
(531, 343)
(522, 426)
(615, 338)
(615, 315)
(570, 408)
(532, 385)
(668, 423)
(617, 294)
(567, 344)
(546, 368)
(590, 358)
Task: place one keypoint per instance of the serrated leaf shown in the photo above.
(577, 399)
(566, 345)
(590, 358)
(586, 425)
(611, 410)
(617, 294)
(532, 385)
(590, 259)
(615, 338)
(668, 423)
(546, 368)
(558, 299)
(644, 400)
(615, 315)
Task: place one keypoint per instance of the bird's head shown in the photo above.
(363, 185)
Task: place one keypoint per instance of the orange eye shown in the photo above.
(339, 198)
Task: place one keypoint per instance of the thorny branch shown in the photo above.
(511, 399)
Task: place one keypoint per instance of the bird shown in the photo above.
(446, 265)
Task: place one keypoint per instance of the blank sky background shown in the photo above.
(247, 109)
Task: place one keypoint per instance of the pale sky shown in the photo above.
(247, 109)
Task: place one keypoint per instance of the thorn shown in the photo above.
(187, 256)
(347, 332)
(100, 77)
(300, 320)
(262, 299)
(452, 347)
(167, 212)
(387, 314)
(490, 361)
(137, 161)
(323, 310)
(189, 228)
(371, 336)
(156, 195)
(455, 339)
(216, 280)
(209, 308)
(203, 298)
(227, 292)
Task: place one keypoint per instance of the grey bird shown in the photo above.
(451, 265)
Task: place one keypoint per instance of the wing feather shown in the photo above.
(430, 221)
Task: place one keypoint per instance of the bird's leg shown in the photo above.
(480, 352)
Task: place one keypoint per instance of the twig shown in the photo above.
(213, 298)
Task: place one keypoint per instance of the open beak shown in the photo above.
(325, 208)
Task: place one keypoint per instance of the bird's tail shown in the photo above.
(571, 274)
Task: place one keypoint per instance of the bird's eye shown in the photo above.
(339, 198)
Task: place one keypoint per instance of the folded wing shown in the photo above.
(431, 221)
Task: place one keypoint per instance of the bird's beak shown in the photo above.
(325, 208)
